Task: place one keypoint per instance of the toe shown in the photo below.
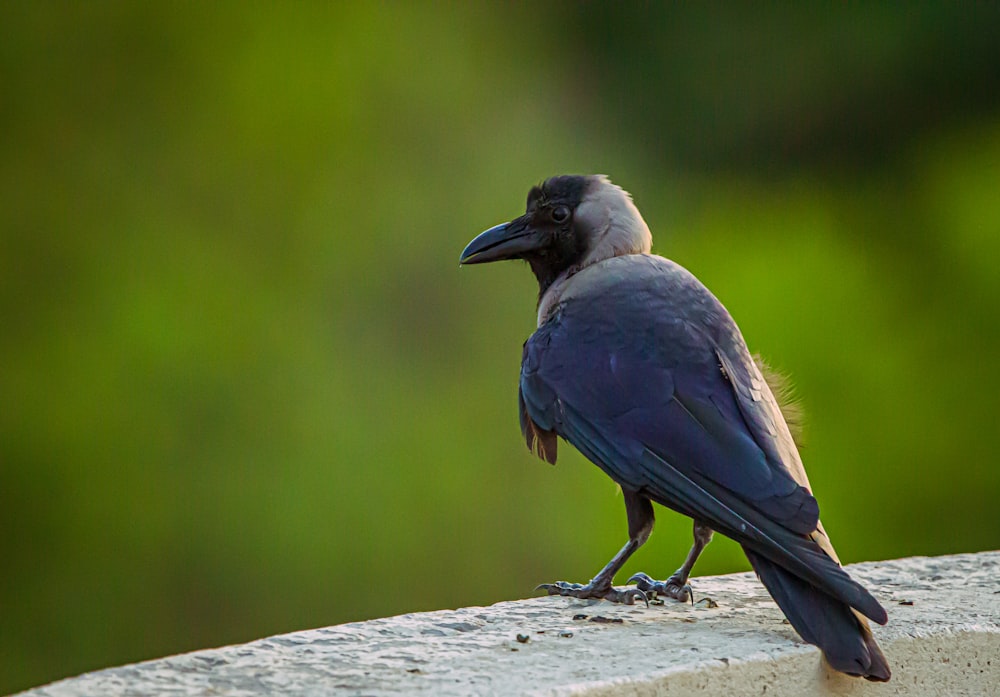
(643, 582)
(678, 592)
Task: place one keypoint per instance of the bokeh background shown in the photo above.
(246, 389)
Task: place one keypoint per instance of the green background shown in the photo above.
(246, 389)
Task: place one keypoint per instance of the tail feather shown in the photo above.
(706, 501)
(840, 632)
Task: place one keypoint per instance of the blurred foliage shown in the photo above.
(247, 390)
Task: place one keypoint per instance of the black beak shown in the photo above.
(506, 241)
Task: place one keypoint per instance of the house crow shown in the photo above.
(641, 368)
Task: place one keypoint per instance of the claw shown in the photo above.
(634, 593)
(641, 580)
(626, 596)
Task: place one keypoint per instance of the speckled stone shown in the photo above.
(943, 638)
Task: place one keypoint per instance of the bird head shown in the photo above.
(571, 222)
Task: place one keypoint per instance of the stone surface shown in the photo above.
(943, 638)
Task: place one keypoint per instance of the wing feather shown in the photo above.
(671, 408)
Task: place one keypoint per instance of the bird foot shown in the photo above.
(674, 587)
(626, 596)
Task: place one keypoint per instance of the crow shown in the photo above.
(637, 364)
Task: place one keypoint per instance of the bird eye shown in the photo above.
(560, 214)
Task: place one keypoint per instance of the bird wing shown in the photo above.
(645, 378)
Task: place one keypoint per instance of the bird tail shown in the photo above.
(841, 633)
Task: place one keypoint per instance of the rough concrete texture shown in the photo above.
(943, 638)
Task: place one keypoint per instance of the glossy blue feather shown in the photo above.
(645, 372)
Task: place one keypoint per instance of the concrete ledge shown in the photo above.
(943, 638)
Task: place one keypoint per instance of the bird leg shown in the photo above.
(677, 586)
(640, 523)
(600, 586)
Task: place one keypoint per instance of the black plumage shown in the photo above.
(638, 366)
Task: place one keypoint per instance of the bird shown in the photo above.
(636, 364)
